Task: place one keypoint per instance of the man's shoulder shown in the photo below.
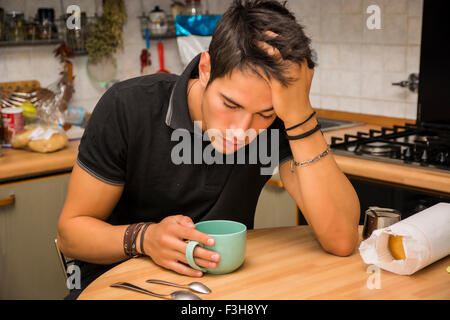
(148, 84)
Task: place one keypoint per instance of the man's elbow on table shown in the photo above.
(342, 246)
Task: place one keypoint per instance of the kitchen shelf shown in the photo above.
(39, 42)
(76, 53)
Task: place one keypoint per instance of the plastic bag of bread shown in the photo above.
(40, 139)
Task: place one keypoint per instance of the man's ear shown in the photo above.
(204, 68)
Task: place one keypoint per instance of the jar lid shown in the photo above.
(157, 9)
(12, 110)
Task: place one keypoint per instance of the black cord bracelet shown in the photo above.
(304, 135)
(303, 122)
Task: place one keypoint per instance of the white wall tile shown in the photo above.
(350, 57)
(396, 6)
(351, 27)
(414, 30)
(351, 6)
(394, 58)
(350, 84)
(372, 58)
(374, 107)
(329, 56)
(330, 6)
(330, 102)
(395, 29)
(330, 27)
(413, 59)
(350, 104)
(411, 111)
(415, 8)
(330, 82)
(372, 85)
(315, 101)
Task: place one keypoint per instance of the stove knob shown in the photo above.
(441, 158)
(408, 154)
(424, 157)
(396, 153)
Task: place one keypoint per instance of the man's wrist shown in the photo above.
(298, 117)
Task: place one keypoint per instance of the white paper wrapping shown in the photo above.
(426, 239)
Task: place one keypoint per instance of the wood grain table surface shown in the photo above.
(284, 263)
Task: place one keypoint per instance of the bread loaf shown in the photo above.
(55, 142)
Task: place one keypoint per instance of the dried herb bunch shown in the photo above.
(106, 35)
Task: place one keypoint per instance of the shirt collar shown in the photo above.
(178, 116)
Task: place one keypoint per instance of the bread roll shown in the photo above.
(55, 142)
(396, 247)
(20, 140)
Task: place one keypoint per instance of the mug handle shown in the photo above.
(190, 255)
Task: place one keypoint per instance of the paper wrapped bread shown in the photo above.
(40, 139)
(411, 244)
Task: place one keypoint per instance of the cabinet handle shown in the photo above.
(8, 201)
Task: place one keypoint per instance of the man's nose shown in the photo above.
(239, 129)
(243, 122)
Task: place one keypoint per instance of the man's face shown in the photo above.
(237, 107)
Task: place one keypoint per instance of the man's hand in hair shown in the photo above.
(291, 103)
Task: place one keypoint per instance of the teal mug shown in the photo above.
(230, 242)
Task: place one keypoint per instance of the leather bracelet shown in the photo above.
(127, 239)
(134, 253)
(303, 122)
(129, 244)
(142, 237)
(304, 135)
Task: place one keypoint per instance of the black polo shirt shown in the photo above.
(128, 143)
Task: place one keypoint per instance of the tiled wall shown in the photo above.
(356, 65)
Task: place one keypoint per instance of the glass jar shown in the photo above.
(47, 25)
(193, 7)
(15, 22)
(32, 30)
(158, 21)
(76, 37)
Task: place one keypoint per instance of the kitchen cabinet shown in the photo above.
(275, 207)
(29, 265)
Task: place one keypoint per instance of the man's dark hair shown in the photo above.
(235, 40)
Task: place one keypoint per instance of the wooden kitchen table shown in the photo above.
(282, 263)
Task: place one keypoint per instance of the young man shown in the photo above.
(256, 76)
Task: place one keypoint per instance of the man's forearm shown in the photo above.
(328, 200)
(91, 240)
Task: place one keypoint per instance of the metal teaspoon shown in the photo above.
(194, 286)
(177, 295)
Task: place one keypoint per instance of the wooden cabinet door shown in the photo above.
(29, 266)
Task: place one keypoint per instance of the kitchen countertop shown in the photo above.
(17, 164)
(284, 263)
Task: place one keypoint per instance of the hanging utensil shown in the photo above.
(161, 58)
(146, 62)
